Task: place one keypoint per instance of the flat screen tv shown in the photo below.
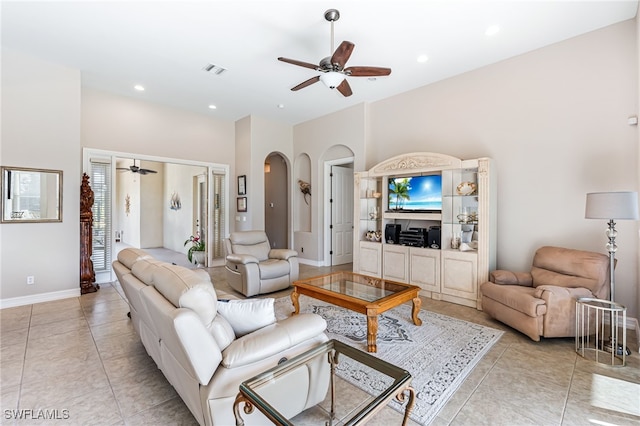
(415, 194)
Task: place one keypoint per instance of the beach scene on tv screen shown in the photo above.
(415, 193)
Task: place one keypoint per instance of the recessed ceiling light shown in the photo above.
(492, 30)
(422, 59)
(281, 106)
(212, 106)
(139, 88)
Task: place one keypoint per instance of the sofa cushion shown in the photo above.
(273, 268)
(273, 339)
(521, 298)
(172, 281)
(130, 255)
(222, 332)
(143, 269)
(246, 316)
(570, 268)
(500, 276)
(201, 299)
(254, 243)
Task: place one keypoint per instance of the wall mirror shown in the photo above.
(31, 195)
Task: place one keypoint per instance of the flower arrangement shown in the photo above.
(196, 245)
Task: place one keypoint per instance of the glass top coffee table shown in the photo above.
(336, 409)
(360, 293)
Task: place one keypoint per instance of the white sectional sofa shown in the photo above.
(206, 356)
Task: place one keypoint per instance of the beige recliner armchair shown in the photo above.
(542, 302)
(253, 267)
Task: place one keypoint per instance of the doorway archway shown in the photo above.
(276, 199)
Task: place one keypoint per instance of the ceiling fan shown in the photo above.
(333, 68)
(136, 169)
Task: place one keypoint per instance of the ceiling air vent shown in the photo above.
(214, 69)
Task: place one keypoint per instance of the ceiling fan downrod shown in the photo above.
(331, 15)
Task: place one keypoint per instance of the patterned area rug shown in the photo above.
(439, 354)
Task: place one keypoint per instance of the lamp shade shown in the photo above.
(332, 79)
(612, 205)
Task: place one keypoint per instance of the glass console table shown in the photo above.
(396, 383)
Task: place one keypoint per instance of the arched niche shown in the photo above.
(301, 201)
(276, 197)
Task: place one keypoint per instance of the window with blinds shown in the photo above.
(101, 244)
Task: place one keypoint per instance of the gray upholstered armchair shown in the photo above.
(542, 302)
(253, 267)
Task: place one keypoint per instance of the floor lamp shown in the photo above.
(612, 206)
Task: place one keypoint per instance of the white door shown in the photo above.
(341, 215)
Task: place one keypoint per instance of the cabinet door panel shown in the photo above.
(459, 274)
(396, 263)
(424, 269)
(371, 259)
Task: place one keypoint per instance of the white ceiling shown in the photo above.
(163, 45)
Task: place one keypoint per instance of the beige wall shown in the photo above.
(121, 124)
(555, 121)
(128, 223)
(142, 226)
(41, 129)
(256, 138)
(343, 132)
(152, 205)
(178, 225)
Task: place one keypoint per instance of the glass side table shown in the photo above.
(395, 382)
(598, 324)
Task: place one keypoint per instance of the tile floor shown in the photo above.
(81, 357)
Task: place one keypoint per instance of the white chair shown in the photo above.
(253, 267)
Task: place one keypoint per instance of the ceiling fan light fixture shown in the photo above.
(332, 79)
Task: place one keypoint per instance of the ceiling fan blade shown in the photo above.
(146, 171)
(306, 83)
(126, 169)
(367, 71)
(342, 54)
(344, 88)
(299, 63)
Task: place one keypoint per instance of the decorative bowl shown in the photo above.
(466, 188)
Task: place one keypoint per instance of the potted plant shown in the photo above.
(195, 254)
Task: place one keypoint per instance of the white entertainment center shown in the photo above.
(450, 268)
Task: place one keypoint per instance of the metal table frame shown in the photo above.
(250, 390)
(598, 331)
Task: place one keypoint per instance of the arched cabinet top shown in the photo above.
(415, 162)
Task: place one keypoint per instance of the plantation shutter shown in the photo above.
(219, 217)
(101, 185)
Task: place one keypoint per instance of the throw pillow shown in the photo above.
(249, 315)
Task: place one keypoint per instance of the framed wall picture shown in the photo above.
(242, 204)
(242, 185)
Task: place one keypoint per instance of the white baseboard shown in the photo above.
(310, 262)
(38, 298)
